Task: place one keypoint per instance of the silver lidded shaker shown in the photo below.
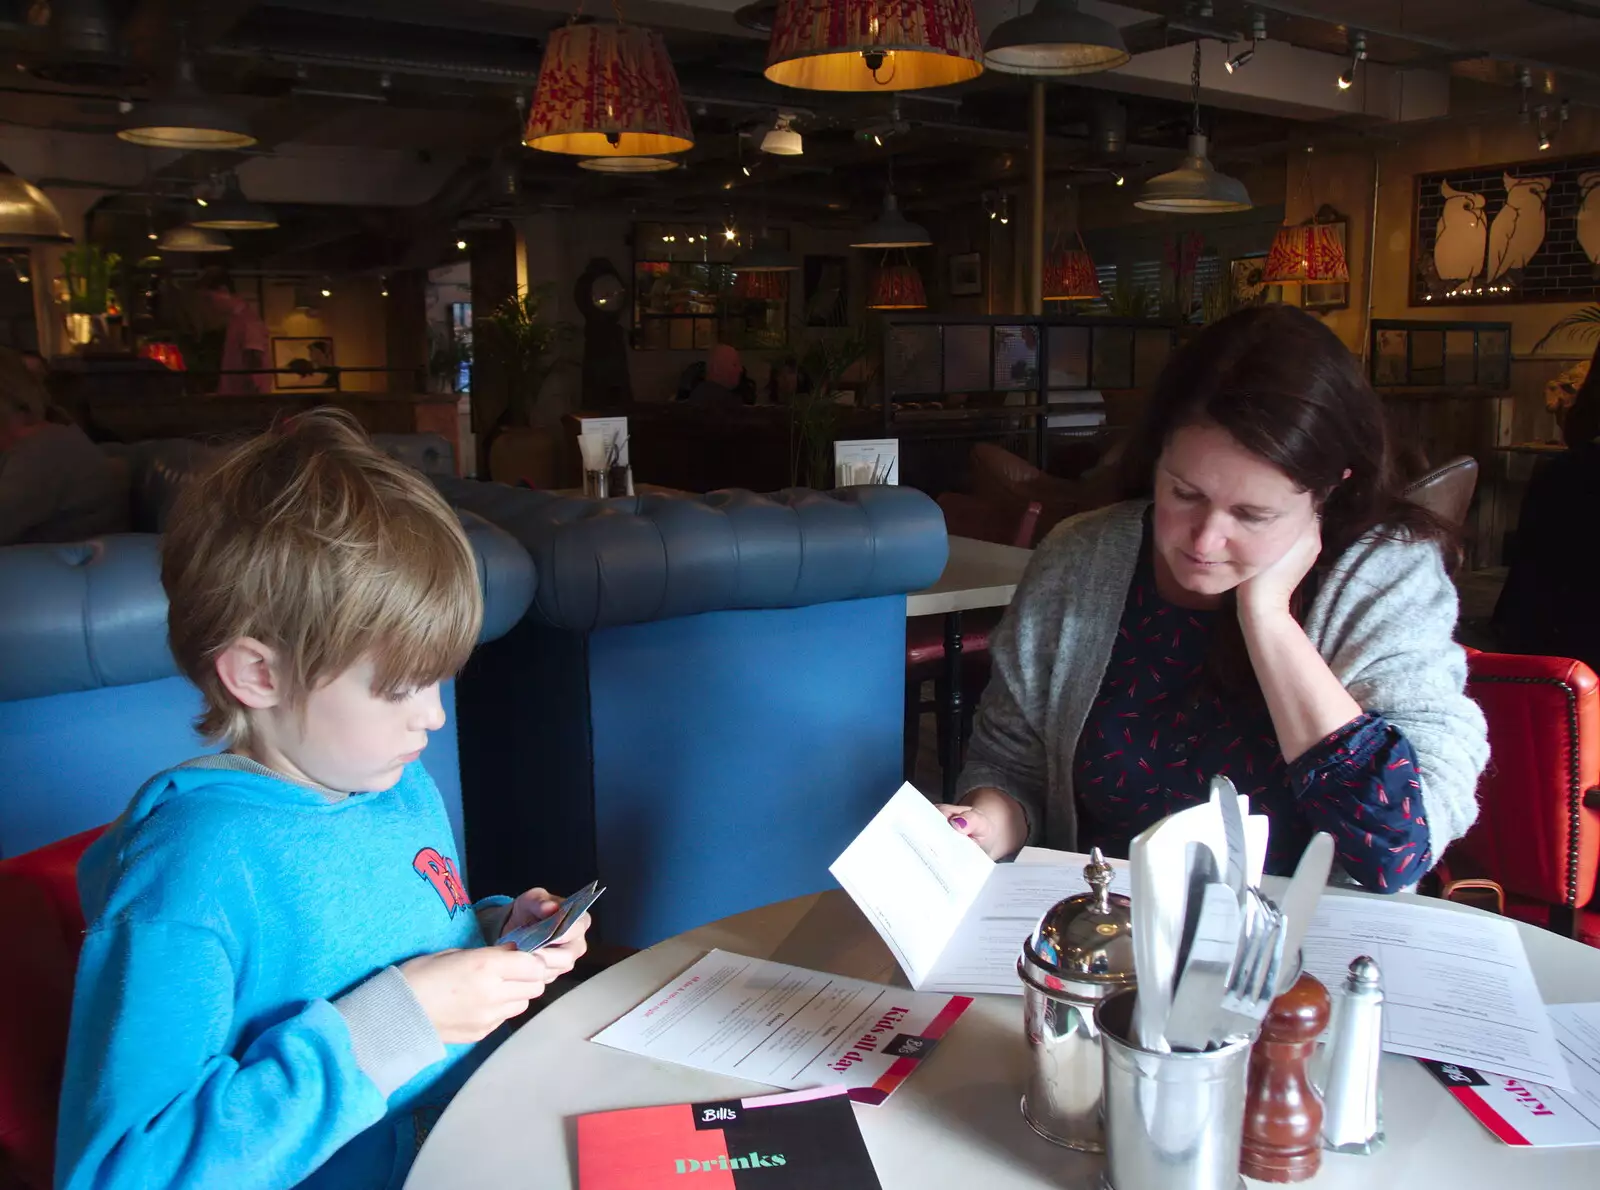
(1081, 953)
(1352, 1112)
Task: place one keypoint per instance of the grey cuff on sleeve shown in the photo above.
(393, 1038)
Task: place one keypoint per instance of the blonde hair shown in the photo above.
(22, 394)
(315, 543)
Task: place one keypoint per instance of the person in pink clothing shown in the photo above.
(245, 346)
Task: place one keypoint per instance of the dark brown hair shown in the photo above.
(1284, 386)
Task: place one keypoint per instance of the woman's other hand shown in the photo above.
(991, 819)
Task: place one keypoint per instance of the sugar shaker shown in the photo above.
(1352, 1116)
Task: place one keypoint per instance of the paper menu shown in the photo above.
(953, 918)
(865, 461)
(787, 1026)
(1531, 1114)
(1457, 986)
(611, 430)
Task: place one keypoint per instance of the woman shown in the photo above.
(1548, 603)
(1266, 607)
(55, 485)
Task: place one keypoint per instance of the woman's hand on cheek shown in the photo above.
(1267, 591)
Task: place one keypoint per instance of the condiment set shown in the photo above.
(1176, 1031)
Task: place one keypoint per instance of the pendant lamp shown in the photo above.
(234, 212)
(891, 230)
(607, 90)
(759, 287)
(1194, 188)
(186, 118)
(1055, 39)
(1307, 253)
(873, 45)
(27, 216)
(628, 165)
(1069, 276)
(193, 239)
(896, 287)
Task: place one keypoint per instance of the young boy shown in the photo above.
(282, 972)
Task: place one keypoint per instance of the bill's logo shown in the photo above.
(710, 1164)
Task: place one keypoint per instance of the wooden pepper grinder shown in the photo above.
(1282, 1112)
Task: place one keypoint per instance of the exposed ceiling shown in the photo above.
(384, 123)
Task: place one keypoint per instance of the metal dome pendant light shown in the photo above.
(891, 229)
(27, 216)
(234, 212)
(186, 118)
(873, 45)
(1194, 188)
(1055, 40)
(607, 91)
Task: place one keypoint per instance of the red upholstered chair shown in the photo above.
(1538, 830)
(41, 930)
(964, 517)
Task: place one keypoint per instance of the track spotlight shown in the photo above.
(1358, 52)
(1242, 58)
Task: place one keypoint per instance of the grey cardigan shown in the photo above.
(1382, 619)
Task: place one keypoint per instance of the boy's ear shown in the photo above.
(249, 670)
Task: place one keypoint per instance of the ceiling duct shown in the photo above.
(82, 50)
(757, 17)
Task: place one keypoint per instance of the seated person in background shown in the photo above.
(282, 978)
(1549, 604)
(1267, 607)
(55, 485)
(245, 342)
(724, 383)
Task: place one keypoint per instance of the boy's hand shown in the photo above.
(467, 994)
(534, 905)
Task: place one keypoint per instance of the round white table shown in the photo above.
(955, 1123)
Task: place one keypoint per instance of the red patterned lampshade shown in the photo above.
(873, 45)
(1306, 252)
(1069, 276)
(897, 287)
(607, 90)
(759, 287)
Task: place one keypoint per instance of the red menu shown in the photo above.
(793, 1141)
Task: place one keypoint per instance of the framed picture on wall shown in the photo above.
(1244, 273)
(1528, 231)
(305, 364)
(966, 274)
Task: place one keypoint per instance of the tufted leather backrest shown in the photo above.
(1535, 835)
(430, 454)
(91, 614)
(603, 563)
(157, 468)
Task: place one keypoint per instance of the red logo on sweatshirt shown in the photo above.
(440, 871)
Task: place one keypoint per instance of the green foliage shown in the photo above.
(1126, 298)
(1584, 325)
(519, 337)
(814, 416)
(1216, 301)
(91, 275)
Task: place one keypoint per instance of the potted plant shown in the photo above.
(89, 275)
(519, 337)
(814, 415)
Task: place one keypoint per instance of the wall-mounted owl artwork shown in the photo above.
(1527, 232)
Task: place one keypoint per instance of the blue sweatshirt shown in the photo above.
(238, 1019)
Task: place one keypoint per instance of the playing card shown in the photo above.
(554, 928)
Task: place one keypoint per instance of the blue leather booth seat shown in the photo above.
(91, 703)
(705, 703)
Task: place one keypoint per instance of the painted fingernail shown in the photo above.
(958, 821)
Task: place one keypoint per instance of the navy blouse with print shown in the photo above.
(1155, 737)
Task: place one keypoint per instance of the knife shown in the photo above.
(1222, 790)
(1299, 903)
